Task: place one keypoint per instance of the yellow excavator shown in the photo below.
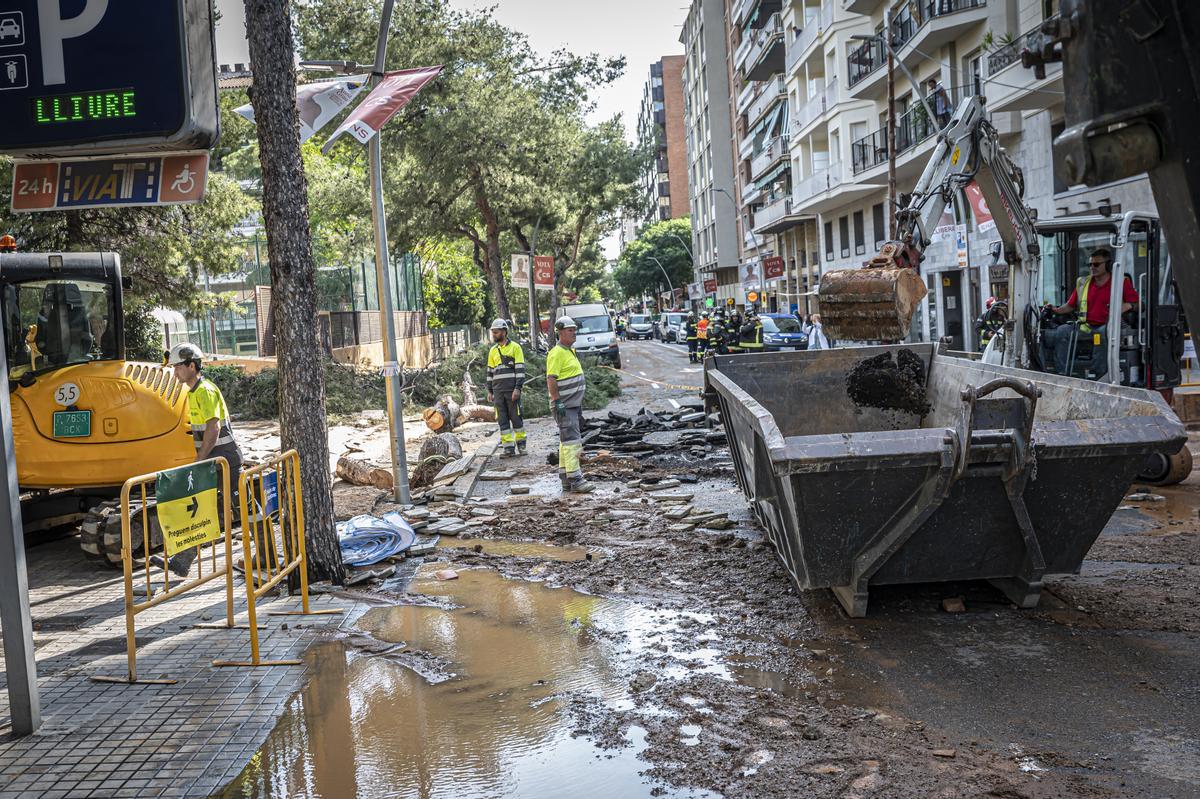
(84, 419)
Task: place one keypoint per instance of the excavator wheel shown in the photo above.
(1167, 470)
(100, 533)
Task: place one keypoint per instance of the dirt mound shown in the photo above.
(889, 384)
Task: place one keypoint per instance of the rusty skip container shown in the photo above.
(1010, 478)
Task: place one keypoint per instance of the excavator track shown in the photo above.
(100, 533)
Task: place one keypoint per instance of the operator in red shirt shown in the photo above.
(1092, 299)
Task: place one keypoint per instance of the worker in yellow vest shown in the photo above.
(565, 385)
(505, 379)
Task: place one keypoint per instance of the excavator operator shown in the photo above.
(1091, 299)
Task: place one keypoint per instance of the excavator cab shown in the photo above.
(1142, 347)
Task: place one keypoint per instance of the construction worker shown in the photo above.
(702, 335)
(693, 337)
(750, 334)
(505, 379)
(565, 384)
(211, 432)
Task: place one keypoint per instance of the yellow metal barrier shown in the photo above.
(272, 504)
(132, 607)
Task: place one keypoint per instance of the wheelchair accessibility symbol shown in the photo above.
(185, 181)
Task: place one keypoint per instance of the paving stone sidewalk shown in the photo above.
(119, 740)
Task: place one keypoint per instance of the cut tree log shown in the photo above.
(477, 413)
(443, 416)
(363, 473)
(435, 453)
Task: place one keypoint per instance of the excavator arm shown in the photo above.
(877, 302)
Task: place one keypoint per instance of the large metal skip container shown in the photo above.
(1010, 478)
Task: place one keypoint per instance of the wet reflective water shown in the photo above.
(518, 549)
(368, 727)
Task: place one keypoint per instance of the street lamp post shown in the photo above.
(670, 287)
(762, 280)
(686, 248)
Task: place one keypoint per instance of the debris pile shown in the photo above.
(890, 385)
(645, 433)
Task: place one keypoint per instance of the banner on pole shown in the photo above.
(394, 92)
(520, 271)
(543, 272)
(319, 102)
(695, 291)
(710, 286)
(773, 267)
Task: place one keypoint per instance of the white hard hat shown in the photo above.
(184, 352)
(499, 324)
(565, 322)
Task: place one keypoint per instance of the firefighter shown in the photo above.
(750, 334)
(693, 337)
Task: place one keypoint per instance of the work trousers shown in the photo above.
(692, 342)
(512, 424)
(188, 556)
(1062, 337)
(570, 444)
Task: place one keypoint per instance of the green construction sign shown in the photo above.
(187, 506)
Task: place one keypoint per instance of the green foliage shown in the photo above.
(638, 273)
(454, 289)
(348, 390)
(143, 335)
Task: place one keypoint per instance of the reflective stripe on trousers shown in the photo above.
(570, 446)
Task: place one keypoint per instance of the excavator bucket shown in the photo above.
(875, 303)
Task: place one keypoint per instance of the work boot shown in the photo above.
(521, 448)
(508, 452)
(580, 486)
(176, 565)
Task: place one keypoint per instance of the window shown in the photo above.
(974, 76)
(1049, 8)
(828, 241)
(860, 244)
(844, 235)
(54, 323)
(877, 221)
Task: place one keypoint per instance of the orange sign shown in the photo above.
(183, 178)
(35, 187)
(752, 296)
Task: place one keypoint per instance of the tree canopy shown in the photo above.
(639, 273)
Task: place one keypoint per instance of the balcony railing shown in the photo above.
(746, 148)
(771, 152)
(773, 90)
(773, 212)
(815, 107)
(905, 26)
(760, 40)
(821, 180)
(746, 96)
(912, 128)
(813, 26)
(1009, 52)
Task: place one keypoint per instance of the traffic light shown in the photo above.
(99, 77)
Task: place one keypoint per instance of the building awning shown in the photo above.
(772, 174)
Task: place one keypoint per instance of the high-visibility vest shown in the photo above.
(1081, 293)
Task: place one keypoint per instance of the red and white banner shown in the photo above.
(979, 207)
(773, 267)
(710, 286)
(319, 102)
(394, 92)
(543, 272)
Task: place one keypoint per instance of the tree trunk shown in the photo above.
(302, 419)
(493, 269)
(363, 473)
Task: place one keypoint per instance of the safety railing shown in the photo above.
(272, 505)
(191, 510)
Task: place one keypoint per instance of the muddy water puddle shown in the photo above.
(503, 725)
(518, 549)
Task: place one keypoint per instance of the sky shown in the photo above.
(641, 30)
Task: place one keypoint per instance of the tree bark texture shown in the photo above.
(493, 269)
(293, 275)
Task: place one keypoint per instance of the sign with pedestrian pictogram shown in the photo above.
(187, 506)
(109, 182)
(101, 77)
(543, 272)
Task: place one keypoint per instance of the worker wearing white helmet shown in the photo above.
(505, 378)
(565, 384)
(211, 431)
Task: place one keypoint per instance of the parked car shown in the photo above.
(641, 326)
(671, 327)
(596, 335)
(782, 331)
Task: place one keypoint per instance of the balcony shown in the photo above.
(746, 9)
(773, 91)
(798, 48)
(746, 148)
(821, 180)
(746, 96)
(765, 54)
(1016, 88)
(771, 152)
(775, 217)
(912, 128)
(861, 6)
(751, 194)
(826, 189)
(814, 109)
(921, 28)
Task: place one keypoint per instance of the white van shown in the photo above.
(596, 335)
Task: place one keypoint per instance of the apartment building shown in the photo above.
(661, 129)
(837, 90)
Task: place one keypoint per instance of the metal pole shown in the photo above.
(391, 366)
(670, 286)
(20, 667)
(534, 332)
(891, 122)
(686, 248)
